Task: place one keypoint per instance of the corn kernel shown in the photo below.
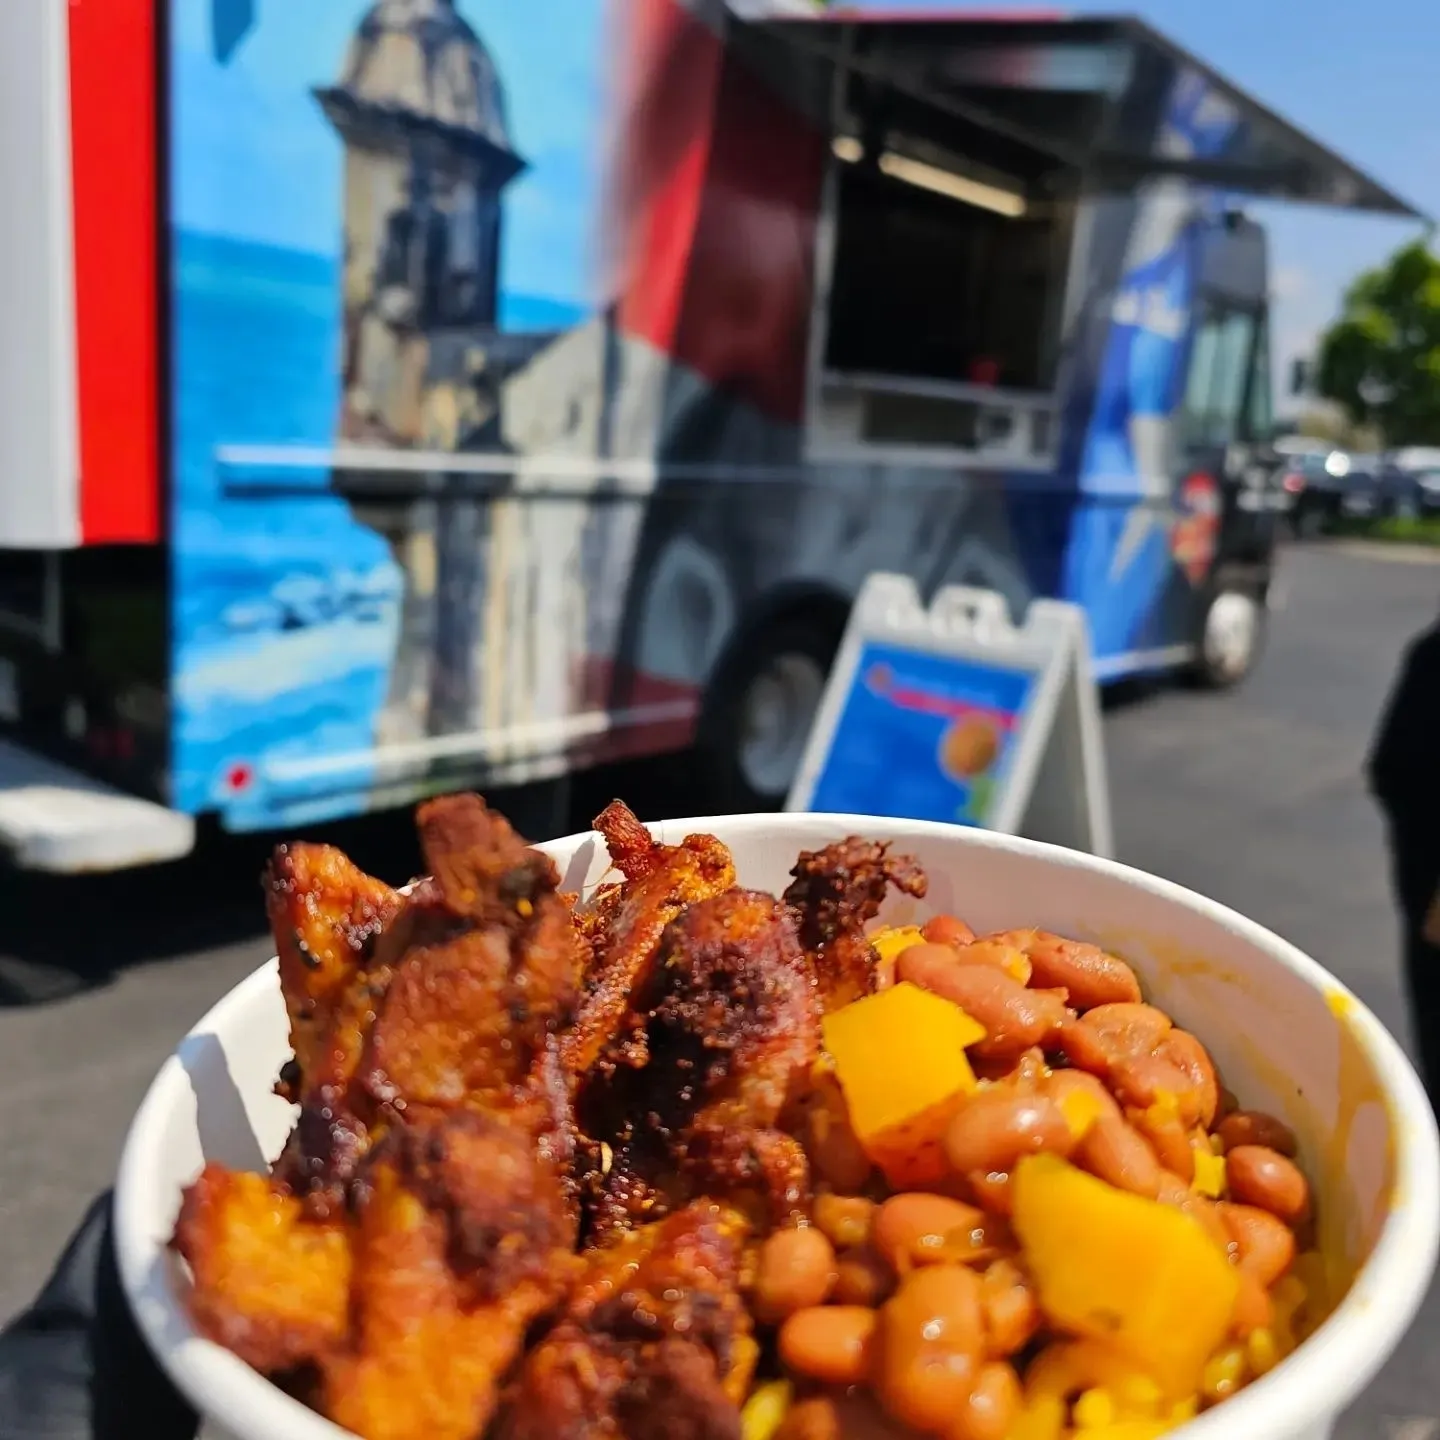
(1183, 1411)
(1224, 1373)
(1262, 1351)
(1139, 1396)
(1043, 1418)
(1093, 1410)
(765, 1410)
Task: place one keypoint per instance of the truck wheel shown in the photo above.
(1232, 632)
(763, 703)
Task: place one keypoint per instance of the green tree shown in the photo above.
(1381, 358)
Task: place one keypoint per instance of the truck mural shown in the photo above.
(533, 394)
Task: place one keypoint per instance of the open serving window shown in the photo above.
(957, 235)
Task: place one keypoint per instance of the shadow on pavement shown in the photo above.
(62, 935)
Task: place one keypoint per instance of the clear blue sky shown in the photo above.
(1363, 76)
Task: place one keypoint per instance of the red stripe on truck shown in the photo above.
(114, 101)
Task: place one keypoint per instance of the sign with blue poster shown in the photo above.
(951, 712)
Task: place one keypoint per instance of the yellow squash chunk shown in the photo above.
(892, 942)
(1209, 1173)
(1138, 1275)
(900, 1059)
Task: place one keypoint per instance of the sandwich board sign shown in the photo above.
(952, 712)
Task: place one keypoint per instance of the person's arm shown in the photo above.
(74, 1367)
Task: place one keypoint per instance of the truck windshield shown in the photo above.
(1227, 390)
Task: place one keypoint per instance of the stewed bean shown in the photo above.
(1262, 1244)
(1168, 1137)
(1082, 1096)
(1264, 1178)
(994, 1128)
(1009, 1308)
(947, 930)
(795, 1270)
(931, 1304)
(1127, 1030)
(1014, 1016)
(992, 1406)
(998, 954)
(928, 1346)
(1119, 1154)
(1091, 975)
(1182, 1050)
(1254, 1127)
(1148, 1080)
(918, 1229)
(829, 1343)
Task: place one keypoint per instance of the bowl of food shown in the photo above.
(773, 1127)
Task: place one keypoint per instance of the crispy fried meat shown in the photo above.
(459, 1005)
(654, 1342)
(269, 1284)
(661, 881)
(502, 1201)
(835, 893)
(326, 915)
(426, 1358)
(732, 1028)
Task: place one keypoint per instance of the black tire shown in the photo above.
(732, 781)
(1227, 643)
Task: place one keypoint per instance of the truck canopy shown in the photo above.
(1082, 92)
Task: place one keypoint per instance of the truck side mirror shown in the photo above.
(1301, 375)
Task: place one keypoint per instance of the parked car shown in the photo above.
(1411, 482)
(1317, 486)
(1427, 492)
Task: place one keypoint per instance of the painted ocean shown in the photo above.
(285, 610)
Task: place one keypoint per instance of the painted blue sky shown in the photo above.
(1361, 77)
(286, 190)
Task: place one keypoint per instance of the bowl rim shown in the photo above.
(1329, 1370)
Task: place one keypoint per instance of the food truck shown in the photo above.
(401, 395)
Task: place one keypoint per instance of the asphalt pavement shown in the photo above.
(1253, 797)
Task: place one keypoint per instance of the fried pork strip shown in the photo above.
(464, 1239)
(834, 894)
(625, 929)
(269, 1284)
(465, 989)
(326, 915)
(654, 1344)
(731, 1030)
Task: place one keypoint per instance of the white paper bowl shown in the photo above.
(1287, 1037)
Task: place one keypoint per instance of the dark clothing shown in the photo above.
(1422, 979)
(74, 1367)
(1404, 772)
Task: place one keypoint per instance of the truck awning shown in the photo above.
(1088, 92)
